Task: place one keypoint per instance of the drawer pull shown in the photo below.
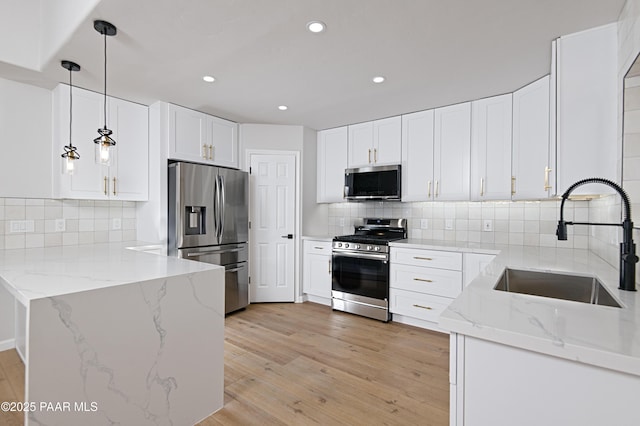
(422, 258)
(318, 248)
(423, 280)
(422, 307)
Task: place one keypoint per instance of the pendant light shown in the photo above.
(70, 154)
(104, 143)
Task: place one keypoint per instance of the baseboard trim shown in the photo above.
(5, 345)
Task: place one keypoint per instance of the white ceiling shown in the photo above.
(432, 52)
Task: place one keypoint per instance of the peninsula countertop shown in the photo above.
(36, 273)
(597, 335)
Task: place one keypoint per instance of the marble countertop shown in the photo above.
(36, 273)
(318, 237)
(597, 335)
(457, 246)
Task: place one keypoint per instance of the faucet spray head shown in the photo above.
(561, 231)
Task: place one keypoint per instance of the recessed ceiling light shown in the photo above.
(378, 79)
(283, 107)
(316, 26)
(208, 79)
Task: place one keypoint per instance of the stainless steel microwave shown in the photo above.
(373, 183)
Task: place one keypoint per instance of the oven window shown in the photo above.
(364, 277)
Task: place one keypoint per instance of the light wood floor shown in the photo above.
(298, 364)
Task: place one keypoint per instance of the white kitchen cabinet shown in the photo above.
(473, 264)
(452, 151)
(531, 389)
(587, 107)
(491, 120)
(375, 142)
(532, 176)
(316, 283)
(417, 156)
(422, 284)
(202, 138)
(332, 160)
(126, 178)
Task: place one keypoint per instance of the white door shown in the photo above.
(272, 216)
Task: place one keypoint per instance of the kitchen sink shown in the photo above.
(585, 289)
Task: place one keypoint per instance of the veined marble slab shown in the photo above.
(116, 336)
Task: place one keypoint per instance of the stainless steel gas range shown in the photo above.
(360, 267)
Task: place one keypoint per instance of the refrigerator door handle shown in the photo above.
(222, 206)
(218, 209)
(203, 253)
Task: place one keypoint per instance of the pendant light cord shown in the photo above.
(70, 105)
(105, 78)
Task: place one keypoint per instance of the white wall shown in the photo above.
(26, 140)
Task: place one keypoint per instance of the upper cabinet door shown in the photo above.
(587, 107)
(332, 160)
(531, 169)
(223, 149)
(202, 138)
(491, 148)
(452, 151)
(129, 174)
(126, 178)
(387, 135)
(417, 156)
(360, 145)
(188, 136)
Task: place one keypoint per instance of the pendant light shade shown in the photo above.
(104, 143)
(70, 154)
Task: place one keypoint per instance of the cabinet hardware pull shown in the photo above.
(106, 191)
(329, 266)
(429, 189)
(423, 280)
(482, 187)
(437, 187)
(369, 156)
(210, 152)
(422, 307)
(114, 186)
(422, 258)
(513, 185)
(546, 178)
(375, 155)
(319, 248)
(204, 151)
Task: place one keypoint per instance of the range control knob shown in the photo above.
(339, 244)
(346, 245)
(376, 248)
(357, 246)
(369, 248)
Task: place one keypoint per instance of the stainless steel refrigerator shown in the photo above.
(209, 222)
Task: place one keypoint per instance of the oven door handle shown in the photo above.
(375, 256)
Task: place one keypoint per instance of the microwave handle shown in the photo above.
(346, 191)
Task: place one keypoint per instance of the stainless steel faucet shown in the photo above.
(628, 258)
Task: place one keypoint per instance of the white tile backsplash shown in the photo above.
(531, 223)
(86, 222)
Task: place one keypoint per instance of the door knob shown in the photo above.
(288, 236)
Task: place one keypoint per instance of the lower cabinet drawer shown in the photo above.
(317, 247)
(417, 305)
(438, 282)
